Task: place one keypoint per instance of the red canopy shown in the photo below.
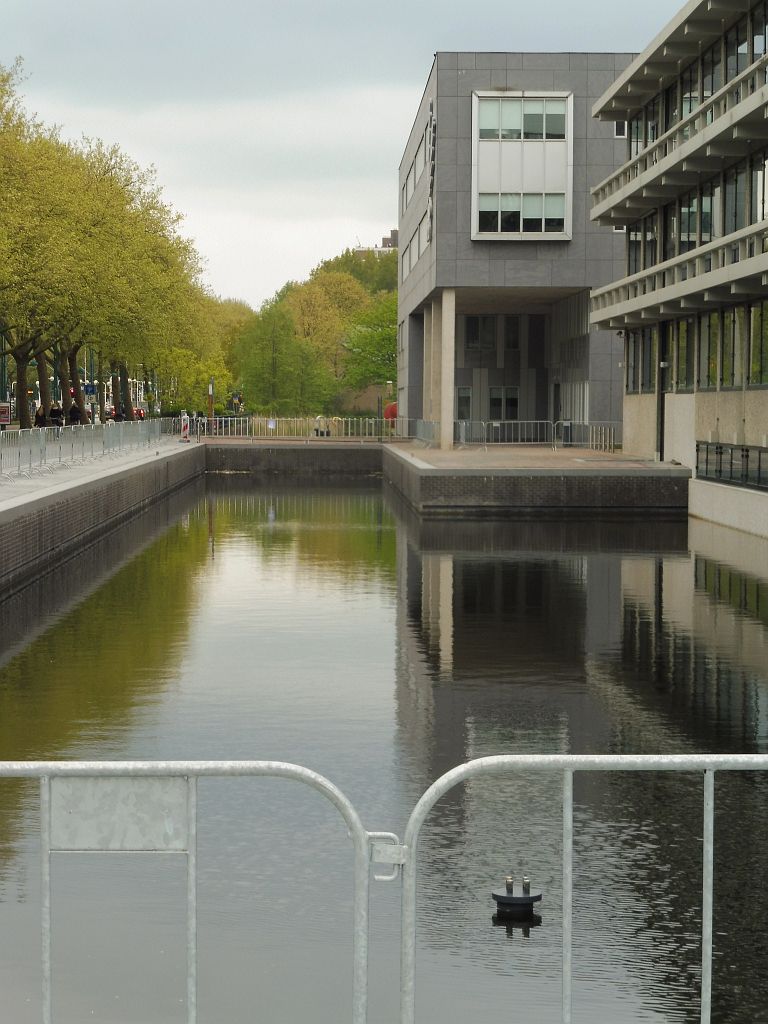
(390, 411)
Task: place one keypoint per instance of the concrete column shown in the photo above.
(448, 366)
(426, 386)
(437, 340)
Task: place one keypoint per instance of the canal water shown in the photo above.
(333, 629)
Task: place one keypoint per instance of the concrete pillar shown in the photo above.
(426, 387)
(448, 367)
(436, 379)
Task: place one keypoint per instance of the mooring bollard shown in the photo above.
(517, 905)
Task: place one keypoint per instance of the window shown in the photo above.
(632, 347)
(503, 403)
(533, 119)
(648, 368)
(711, 75)
(503, 213)
(487, 212)
(709, 339)
(652, 125)
(463, 403)
(670, 231)
(734, 338)
(735, 203)
(488, 118)
(480, 334)
(511, 119)
(406, 263)
(510, 212)
(511, 333)
(533, 210)
(689, 215)
(757, 194)
(555, 119)
(554, 213)
(619, 129)
(651, 233)
(758, 31)
(671, 106)
(420, 159)
(736, 50)
(711, 211)
(636, 136)
(685, 355)
(410, 184)
(634, 248)
(758, 344)
(423, 233)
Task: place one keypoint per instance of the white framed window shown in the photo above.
(619, 129)
(423, 233)
(511, 213)
(420, 160)
(522, 166)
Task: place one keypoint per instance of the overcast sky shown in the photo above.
(276, 129)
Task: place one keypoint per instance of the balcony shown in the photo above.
(731, 270)
(724, 128)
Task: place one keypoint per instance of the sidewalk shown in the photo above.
(16, 491)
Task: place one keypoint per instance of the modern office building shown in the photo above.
(692, 297)
(497, 250)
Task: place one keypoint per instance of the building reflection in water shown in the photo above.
(590, 638)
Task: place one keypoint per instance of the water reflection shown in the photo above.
(584, 640)
(331, 628)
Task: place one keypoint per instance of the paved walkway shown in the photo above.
(534, 458)
(15, 490)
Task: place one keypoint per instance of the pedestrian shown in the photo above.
(57, 415)
(74, 417)
(40, 416)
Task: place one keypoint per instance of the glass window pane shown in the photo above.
(488, 211)
(533, 208)
(533, 119)
(511, 119)
(488, 117)
(510, 211)
(555, 122)
(554, 212)
(419, 163)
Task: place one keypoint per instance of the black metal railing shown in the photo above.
(738, 464)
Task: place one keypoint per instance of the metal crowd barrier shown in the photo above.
(303, 428)
(41, 449)
(597, 436)
(151, 806)
(737, 464)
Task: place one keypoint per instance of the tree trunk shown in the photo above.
(62, 369)
(22, 399)
(149, 398)
(114, 385)
(79, 397)
(125, 391)
(102, 387)
(45, 384)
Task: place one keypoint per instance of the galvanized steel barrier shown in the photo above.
(599, 436)
(42, 449)
(142, 806)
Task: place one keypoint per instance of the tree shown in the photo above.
(372, 345)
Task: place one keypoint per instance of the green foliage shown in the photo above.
(372, 345)
(376, 271)
(91, 254)
(278, 370)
